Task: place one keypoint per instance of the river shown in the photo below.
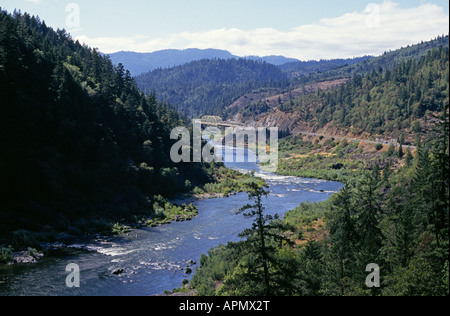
(154, 259)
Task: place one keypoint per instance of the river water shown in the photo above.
(154, 259)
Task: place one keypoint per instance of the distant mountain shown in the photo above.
(207, 86)
(138, 63)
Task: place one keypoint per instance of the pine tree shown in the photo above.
(400, 152)
(265, 270)
(369, 215)
(344, 242)
(409, 158)
(259, 231)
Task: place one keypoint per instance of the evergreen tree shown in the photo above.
(265, 272)
(409, 158)
(344, 237)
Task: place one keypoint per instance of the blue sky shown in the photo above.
(304, 29)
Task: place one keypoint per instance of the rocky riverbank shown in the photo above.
(26, 257)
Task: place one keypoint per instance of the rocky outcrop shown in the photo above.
(26, 257)
(118, 271)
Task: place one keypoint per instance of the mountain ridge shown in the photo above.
(203, 87)
(139, 63)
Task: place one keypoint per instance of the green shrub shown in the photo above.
(188, 185)
(118, 229)
(198, 190)
(6, 255)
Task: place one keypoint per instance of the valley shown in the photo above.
(87, 175)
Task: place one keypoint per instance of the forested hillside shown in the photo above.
(210, 86)
(394, 101)
(206, 87)
(78, 140)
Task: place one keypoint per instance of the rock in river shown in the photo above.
(118, 271)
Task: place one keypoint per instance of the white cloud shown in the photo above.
(376, 29)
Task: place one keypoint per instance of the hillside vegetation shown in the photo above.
(393, 210)
(206, 87)
(394, 101)
(81, 147)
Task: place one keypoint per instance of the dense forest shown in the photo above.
(207, 86)
(80, 146)
(392, 101)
